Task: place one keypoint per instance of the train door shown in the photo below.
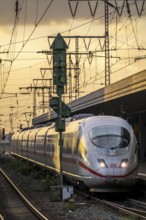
(20, 139)
(70, 150)
(78, 139)
(75, 147)
(34, 144)
(24, 147)
(45, 146)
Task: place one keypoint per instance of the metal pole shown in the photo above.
(107, 53)
(59, 78)
(60, 138)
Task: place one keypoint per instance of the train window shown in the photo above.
(109, 136)
(82, 150)
(78, 137)
(51, 143)
(68, 142)
(39, 142)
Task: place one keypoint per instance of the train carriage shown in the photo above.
(99, 152)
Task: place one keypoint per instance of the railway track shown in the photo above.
(124, 208)
(130, 207)
(1, 217)
(13, 204)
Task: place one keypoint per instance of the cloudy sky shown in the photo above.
(25, 33)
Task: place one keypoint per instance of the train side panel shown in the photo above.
(99, 151)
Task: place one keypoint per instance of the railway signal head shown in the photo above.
(54, 103)
(59, 47)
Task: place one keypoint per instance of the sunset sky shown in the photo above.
(25, 33)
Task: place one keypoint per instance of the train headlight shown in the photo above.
(102, 163)
(124, 163)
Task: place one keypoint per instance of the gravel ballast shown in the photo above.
(77, 208)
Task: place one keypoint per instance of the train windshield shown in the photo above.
(109, 136)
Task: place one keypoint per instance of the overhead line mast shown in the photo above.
(107, 53)
(92, 4)
(77, 60)
(93, 11)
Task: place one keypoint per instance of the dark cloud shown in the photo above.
(32, 10)
(59, 10)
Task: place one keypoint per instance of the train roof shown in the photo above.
(80, 116)
(85, 119)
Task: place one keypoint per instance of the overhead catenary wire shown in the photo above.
(127, 43)
(25, 15)
(62, 32)
(9, 56)
(71, 28)
(128, 50)
(36, 25)
(25, 42)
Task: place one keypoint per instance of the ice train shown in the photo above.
(99, 152)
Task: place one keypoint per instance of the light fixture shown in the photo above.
(102, 163)
(124, 163)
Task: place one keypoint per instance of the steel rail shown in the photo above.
(127, 210)
(121, 209)
(1, 217)
(39, 215)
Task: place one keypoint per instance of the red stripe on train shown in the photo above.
(73, 161)
(104, 176)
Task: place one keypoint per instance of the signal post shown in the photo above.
(59, 47)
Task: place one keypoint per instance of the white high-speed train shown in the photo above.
(99, 152)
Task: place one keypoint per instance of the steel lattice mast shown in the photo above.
(107, 52)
